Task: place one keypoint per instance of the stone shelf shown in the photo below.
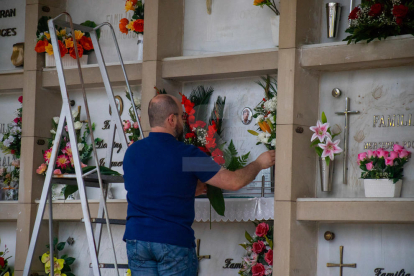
(11, 80)
(221, 66)
(9, 210)
(92, 75)
(355, 210)
(338, 56)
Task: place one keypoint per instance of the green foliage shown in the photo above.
(91, 24)
(215, 195)
(42, 25)
(217, 114)
(200, 96)
(233, 161)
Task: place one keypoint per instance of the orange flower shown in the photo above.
(40, 46)
(258, 2)
(86, 43)
(62, 48)
(122, 25)
(41, 169)
(73, 54)
(129, 6)
(69, 43)
(139, 25)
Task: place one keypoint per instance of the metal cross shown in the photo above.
(198, 254)
(341, 265)
(346, 134)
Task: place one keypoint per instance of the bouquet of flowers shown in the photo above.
(259, 256)
(381, 164)
(131, 127)
(61, 264)
(11, 178)
(322, 140)
(380, 19)
(136, 24)
(12, 140)
(265, 114)
(206, 135)
(269, 3)
(4, 266)
(65, 39)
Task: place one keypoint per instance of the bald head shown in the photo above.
(160, 107)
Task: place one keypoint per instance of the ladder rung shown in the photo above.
(89, 180)
(121, 266)
(111, 221)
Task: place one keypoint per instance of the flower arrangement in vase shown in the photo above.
(64, 160)
(274, 21)
(11, 180)
(380, 19)
(327, 149)
(11, 142)
(382, 171)
(5, 269)
(61, 263)
(259, 256)
(66, 43)
(206, 135)
(136, 23)
(265, 114)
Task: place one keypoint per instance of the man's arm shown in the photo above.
(236, 180)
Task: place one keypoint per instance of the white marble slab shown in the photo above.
(369, 246)
(8, 237)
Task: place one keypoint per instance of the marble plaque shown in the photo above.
(376, 93)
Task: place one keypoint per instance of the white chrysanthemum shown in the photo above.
(56, 120)
(262, 138)
(273, 143)
(272, 119)
(15, 130)
(6, 143)
(78, 125)
(52, 131)
(80, 146)
(259, 118)
(75, 113)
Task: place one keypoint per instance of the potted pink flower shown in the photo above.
(382, 171)
(327, 149)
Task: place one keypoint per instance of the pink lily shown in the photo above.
(369, 166)
(372, 153)
(321, 131)
(330, 148)
(382, 153)
(389, 161)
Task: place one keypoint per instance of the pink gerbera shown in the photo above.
(62, 161)
(330, 148)
(67, 150)
(47, 155)
(321, 131)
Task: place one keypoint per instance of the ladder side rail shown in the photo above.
(51, 242)
(72, 137)
(46, 188)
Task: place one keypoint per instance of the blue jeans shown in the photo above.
(160, 259)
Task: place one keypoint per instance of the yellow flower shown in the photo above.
(7, 274)
(49, 49)
(58, 265)
(78, 34)
(128, 272)
(62, 32)
(68, 43)
(47, 35)
(130, 26)
(129, 6)
(45, 257)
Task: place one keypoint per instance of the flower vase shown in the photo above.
(140, 44)
(274, 24)
(57, 193)
(11, 194)
(333, 14)
(382, 188)
(326, 173)
(67, 61)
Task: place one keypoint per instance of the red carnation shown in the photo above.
(217, 152)
(204, 149)
(354, 13)
(400, 11)
(138, 25)
(211, 142)
(16, 120)
(21, 99)
(399, 21)
(258, 270)
(219, 160)
(72, 51)
(86, 43)
(258, 247)
(1, 262)
(375, 10)
(199, 124)
(190, 135)
(12, 151)
(62, 48)
(269, 257)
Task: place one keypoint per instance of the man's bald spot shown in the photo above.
(160, 107)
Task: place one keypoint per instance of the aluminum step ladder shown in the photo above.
(94, 177)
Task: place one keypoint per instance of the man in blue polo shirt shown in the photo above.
(162, 177)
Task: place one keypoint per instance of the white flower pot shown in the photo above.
(67, 61)
(382, 188)
(274, 24)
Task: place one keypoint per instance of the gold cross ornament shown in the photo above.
(341, 265)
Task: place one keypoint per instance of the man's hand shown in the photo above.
(201, 188)
(266, 159)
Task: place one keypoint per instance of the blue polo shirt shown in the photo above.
(161, 176)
